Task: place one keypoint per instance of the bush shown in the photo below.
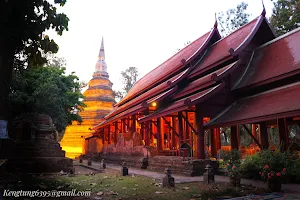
(232, 156)
(232, 159)
(249, 167)
(268, 175)
(276, 160)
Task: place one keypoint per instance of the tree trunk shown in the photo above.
(6, 67)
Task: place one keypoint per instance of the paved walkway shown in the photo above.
(291, 188)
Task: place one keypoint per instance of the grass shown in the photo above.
(110, 185)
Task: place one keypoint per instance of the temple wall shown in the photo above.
(127, 145)
(92, 145)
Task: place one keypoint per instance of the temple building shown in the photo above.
(237, 92)
(99, 101)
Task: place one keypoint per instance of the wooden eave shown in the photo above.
(183, 104)
(268, 81)
(274, 104)
(207, 81)
(160, 97)
(131, 111)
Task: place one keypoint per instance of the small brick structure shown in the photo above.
(34, 146)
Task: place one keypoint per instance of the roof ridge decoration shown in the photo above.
(247, 40)
(197, 52)
(216, 21)
(263, 13)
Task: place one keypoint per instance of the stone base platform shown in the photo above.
(159, 163)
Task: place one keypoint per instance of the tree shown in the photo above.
(128, 77)
(286, 16)
(46, 90)
(22, 43)
(233, 19)
(118, 95)
(54, 60)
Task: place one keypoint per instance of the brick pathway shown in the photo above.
(290, 188)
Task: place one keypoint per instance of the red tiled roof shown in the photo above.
(220, 50)
(179, 105)
(277, 59)
(161, 96)
(145, 96)
(274, 104)
(171, 66)
(129, 112)
(204, 81)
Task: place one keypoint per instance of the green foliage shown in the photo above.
(233, 170)
(233, 18)
(268, 175)
(276, 161)
(286, 16)
(250, 162)
(221, 163)
(22, 40)
(47, 90)
(232, 156)
(232, 159)
(118, 95)
(129, 187)
(25, 22)
(128, 77)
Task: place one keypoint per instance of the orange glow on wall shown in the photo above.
(73, 140)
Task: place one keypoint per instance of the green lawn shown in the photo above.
(110, 185)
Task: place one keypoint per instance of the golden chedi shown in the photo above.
(99, 101)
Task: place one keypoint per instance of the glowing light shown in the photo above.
(73, 139)
(154, 104)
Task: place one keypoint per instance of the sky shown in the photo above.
(137, 33)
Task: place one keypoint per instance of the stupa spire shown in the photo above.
(101, 52)
(101, 64)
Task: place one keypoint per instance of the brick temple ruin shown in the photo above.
(32, 146)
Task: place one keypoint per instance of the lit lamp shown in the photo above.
(154, 104)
